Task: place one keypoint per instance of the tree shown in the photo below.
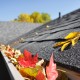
(46, 17)
(24, 18)
(35, 17)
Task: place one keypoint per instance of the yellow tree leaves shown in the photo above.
(25, 18)
(35, 17)
(71, 38)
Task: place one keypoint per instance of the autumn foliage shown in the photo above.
(31, 67)
(71, 38)
(35, 17)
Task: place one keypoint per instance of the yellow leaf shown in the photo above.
(71, 35)
(60, 43)
(64, 46)
(75, 40)
(30, 71)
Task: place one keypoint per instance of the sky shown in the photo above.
(11, 9)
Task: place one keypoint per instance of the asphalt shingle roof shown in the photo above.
(41, 40)
(12, 30)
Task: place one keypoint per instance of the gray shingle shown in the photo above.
(12, 30)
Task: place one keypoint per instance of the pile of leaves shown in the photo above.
(30, 67)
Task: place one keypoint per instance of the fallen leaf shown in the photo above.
(51, 71)
(71, 38)
(31, 71)
(60, 43)
(9, 51)
(17, 53)
(75, 40)
(28, 60)
(40, 62)
(40, 76)
(64, 46)
(71, 35)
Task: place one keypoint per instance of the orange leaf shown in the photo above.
(40, 76)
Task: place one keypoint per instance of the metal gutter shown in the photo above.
(13, 72)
